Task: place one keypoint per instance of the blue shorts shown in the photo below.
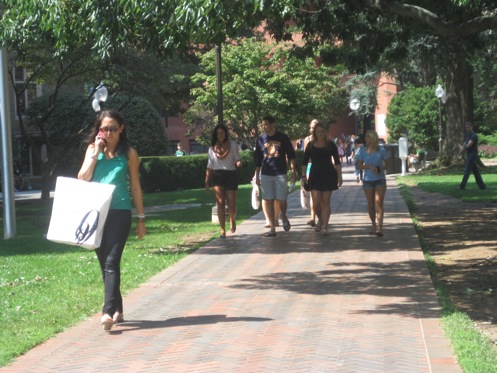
(274, 187)
(373, 184)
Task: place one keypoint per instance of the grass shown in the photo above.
(475, 353)
(47, 287)
(446, 180)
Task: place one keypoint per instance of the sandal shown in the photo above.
(325, 232)
(107, 322)
(286, 225)
(318, 226)
(379, 234)
(269, 234)
(118, 317)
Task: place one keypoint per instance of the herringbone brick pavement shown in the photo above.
(299, 302)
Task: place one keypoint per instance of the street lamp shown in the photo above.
(354, 105)
(442, 97)
(100, 95)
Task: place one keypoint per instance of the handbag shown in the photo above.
(79, 212)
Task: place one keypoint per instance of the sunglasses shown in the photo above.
(109, 129)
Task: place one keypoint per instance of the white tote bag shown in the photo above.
(79, 212)
(256, 202)
(304, 202)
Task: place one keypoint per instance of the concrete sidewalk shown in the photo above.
(298, 302)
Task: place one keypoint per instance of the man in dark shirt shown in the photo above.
(273, 151)
(471, 147)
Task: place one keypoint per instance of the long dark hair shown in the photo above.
(123, 144)
(214, 134)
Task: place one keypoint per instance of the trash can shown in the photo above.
(395, 164)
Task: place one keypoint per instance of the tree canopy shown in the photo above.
(363, 34)
(414, 113)
(264, 79)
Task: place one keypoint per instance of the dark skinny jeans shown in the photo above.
(116, 232)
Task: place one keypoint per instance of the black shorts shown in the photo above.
(224, 178)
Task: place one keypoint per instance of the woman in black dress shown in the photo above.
(325, 175)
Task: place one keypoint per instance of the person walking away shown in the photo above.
(374, 161)
(325, 177)
(273, 152)
(358, 146)
(348, 152)
(312, 220)
(223, 160)
(470, 145)
(341, 149)
(110, 159)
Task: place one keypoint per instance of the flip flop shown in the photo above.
(269, 234)
(379, 234)
(318, 227)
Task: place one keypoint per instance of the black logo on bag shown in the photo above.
(87, 227)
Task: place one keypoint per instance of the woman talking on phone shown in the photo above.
(110, 159)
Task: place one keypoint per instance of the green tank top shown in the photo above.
(114, 171)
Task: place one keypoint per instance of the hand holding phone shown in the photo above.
(101, 135)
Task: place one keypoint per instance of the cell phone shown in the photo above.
(101, 134)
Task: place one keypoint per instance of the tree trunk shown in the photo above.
(459, 107)
(46, 181)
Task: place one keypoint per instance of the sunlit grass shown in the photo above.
(46, 287)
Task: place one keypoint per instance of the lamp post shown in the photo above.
(440, 93)
(354, 105)
(100, 95)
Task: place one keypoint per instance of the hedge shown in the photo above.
(163, 174)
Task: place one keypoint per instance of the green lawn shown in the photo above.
(446, 180)
(475, 352)
(46, 287)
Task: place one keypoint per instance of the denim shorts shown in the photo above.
(372, 184)
(274, 187)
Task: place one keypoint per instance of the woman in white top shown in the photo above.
(224, 158)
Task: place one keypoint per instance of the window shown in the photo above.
(28, 93)
(197, 148)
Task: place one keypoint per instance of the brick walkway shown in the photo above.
(298, 302)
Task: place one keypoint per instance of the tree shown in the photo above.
(414, 113)
(376, 33)
(143, 124)
(264, 79)
(366, 34)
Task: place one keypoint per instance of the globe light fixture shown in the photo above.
(442, 97)
(100, 95)
(354, 105)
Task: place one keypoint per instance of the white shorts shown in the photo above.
(274, 187)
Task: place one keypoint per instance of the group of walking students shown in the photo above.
(110, 159)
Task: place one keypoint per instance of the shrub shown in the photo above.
(161, 174)
(487, 151)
